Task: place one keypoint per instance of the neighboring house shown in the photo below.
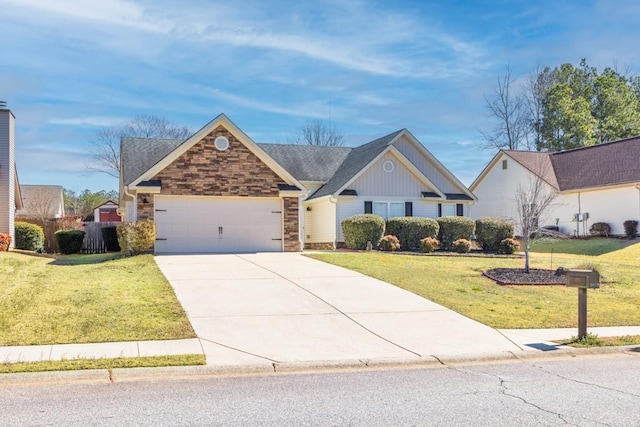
(600, 183)
(106, 212)
(41, 202)
(219, 191)
(10, 198)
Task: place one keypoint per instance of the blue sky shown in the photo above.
(71, 67)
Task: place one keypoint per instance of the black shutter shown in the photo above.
(408, 208)
(368, 207)
(459, 209)
(439, 210)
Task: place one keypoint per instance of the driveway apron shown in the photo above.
(270, 308)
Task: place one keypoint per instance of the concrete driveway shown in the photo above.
(280, 308)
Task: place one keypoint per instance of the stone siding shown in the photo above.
(291, 230)
(324, 246)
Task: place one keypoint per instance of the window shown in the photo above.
(388, 209)
(504, 164)
(448, 209)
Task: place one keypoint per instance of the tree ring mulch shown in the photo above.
(518, 276)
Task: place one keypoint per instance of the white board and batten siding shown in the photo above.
(399, 182)
(202, 224)
(429, 170)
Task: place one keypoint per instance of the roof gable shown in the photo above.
(306, 162)
(536, 162)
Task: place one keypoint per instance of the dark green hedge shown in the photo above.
(360, 229)
(453, 228)
(491, 231)
(411, 229)
(69, 241)
(29, 237)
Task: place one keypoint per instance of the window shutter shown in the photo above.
(368, 207)
(460, 209)
(439, 210)
(408, 208)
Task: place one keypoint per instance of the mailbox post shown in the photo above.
(583, 280)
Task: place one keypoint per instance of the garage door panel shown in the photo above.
(192, 224)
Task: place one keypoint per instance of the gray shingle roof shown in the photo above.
(306, 162)
(358, 159)
(140, 154)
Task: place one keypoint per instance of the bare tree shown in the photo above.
(319, 133)
(40, 202)
(533, 200)
(104, 147)
(508, 109)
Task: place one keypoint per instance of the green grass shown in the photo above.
(122, 362)
(457, 283)
(592, 340)
(592, 246)
(86, 298)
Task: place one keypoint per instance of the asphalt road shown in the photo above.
(584, 391)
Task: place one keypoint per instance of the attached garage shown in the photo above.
(200, 224)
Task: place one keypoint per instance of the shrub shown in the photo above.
(601, 229)
(411, 229)
(360, 229)
(630, 228)
(136, 237)
(5, 242)
(462, 246)
(69, 241)
(389, 243)
(29, 237)
(453, 228)
(491, 231)
(429, 244)
(110, 238)
(508, 246)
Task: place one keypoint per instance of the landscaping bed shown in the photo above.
(519, 276)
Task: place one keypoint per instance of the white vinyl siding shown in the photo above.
(320, 222)
(7, 175)
(429, 170)
(400, 182)
(214, 224)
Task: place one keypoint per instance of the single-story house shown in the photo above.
(106, 212)
(41, 202)
(10, 197)
(599, 183)
(219, 191)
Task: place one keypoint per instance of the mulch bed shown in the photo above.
(517, 276)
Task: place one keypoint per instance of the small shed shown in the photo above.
(106, 212)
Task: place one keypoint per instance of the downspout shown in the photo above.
(134, 203)
(334, 200)
(638, 188)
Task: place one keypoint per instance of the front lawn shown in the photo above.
(591, 246)
(80, 299)
(457, 283)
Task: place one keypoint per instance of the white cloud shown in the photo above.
(97, 121)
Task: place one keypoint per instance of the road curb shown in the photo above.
(177, 372)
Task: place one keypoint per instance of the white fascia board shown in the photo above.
(292, 193)
(223, 120)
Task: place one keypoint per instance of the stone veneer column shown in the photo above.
(145, 210)
(291, 227)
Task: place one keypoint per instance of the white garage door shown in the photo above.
(209, 224)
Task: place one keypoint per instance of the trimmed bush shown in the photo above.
(110, 238)
(411, 229)
(429, 244)
(360, 229)
(389, 243)
(462, 246)
(453, 228)
(136, 237)
(630, 228)
(601, 229)
(491, 231)
(69, 241)
(29, 237)
(508, 246)
(5, 242)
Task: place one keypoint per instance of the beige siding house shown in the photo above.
(219, 191)
(600, 183)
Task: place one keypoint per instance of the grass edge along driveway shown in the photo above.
(457, 283)
(79, 299)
